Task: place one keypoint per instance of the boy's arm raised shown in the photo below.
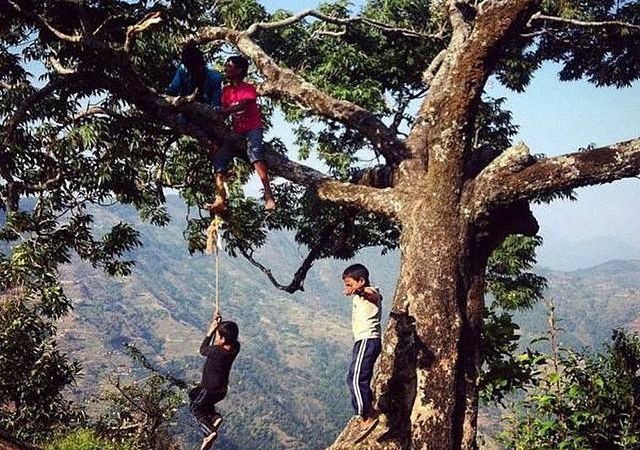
(205, 347)
(371, 295)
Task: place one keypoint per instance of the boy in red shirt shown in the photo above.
(239, 101)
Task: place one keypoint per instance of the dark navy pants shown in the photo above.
(202, 406)
(365, 353)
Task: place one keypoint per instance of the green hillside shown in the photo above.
(287, 388)
(590, 303)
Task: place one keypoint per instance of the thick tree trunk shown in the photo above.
(426, 382)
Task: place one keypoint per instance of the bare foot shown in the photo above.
(269, 203)
(368, 423)
(372, 420)
(218, 206)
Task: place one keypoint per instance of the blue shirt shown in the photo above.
(182, 85)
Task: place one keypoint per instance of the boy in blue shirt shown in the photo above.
(193, 73)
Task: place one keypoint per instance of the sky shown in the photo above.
(560, 117)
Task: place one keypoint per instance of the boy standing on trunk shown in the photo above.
(366, 332)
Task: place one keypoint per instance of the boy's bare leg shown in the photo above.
(219, 203)
(263, 174)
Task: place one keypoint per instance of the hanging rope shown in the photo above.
(214, 244)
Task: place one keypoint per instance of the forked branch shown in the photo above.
(521, 177)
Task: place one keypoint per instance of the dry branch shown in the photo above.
(539, 17)
(341, 21)
(147, 21)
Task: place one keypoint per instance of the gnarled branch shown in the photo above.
(509, 180)
(382, 201)
(284, 83)
(297, 283)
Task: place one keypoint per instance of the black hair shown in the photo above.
(192, 58)
(241, 62)
(357, 272)
(229, 331)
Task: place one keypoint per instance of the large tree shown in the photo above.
(401, 83)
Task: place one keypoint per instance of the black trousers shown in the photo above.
(365, 353)
(202, 406)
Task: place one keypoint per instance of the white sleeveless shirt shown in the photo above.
(365, 319)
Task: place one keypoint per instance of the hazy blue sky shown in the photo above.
(559, 117)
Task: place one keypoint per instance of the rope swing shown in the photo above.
(214, 245)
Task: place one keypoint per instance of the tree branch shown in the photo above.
(59, 68)
(35, 98)
(519, 177)
(340, 21)
(130, 87)
(297, 283)
(473, 51)
(331, 241)
(581, 23)
(9, 86)
(150, 19)
(377, 200)
(44, 24)
(429, 74)
(284, 83)
(127, 397)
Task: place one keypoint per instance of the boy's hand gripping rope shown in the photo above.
(214, 244)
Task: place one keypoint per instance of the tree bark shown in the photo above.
(426, 381)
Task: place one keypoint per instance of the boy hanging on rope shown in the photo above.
(366, 331)
(239, 101)
(220, 346)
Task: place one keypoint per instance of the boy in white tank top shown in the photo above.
(366, 332)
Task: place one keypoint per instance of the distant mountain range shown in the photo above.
(287, 389)
(558, 253)
(590, 303)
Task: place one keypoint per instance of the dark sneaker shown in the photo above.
(208, 441)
